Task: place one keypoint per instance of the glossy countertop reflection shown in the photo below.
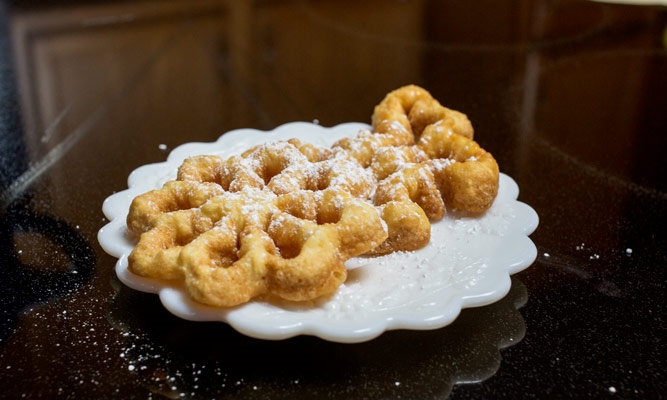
(569, 96)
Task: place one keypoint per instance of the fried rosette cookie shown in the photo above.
(466, 175)
(424, 161)
(268, 222)
(411, 109)
(282, 218)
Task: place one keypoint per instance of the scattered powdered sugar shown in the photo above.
(397, 126)
(401, 277)
(349, 175)
(439, 164)
(378, 285)
(459, 258)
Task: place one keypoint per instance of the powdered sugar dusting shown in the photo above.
(439, 164)
(466, 263)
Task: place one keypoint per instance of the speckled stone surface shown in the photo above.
(569, 96)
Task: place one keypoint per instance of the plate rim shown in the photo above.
(167, 290)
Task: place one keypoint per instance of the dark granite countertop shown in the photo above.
(569, 96)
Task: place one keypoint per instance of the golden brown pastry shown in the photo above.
(267, 222)
(282, 218)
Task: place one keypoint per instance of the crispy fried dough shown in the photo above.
(282, 218)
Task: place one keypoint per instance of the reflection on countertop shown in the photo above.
(636, 2)
(171, 356)
(48, 259)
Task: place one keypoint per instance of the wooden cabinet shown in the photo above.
(207, 65)
(150, 61)
(126, 77)
(310, 61)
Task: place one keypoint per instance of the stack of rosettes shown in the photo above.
(282, 218)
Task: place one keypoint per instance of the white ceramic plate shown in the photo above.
(467, 263)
